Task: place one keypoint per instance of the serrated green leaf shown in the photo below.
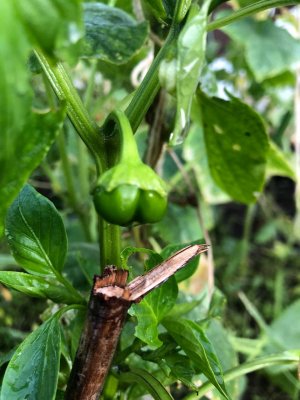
(193, 341)
(278, 163)
(236, 144)
(62, 19)
(32, 372)
(36, 233)
(269, 49)
(152, 309)
(143, 377)
(112, 35)
(190, 57)
(36, 286)
(23, 147)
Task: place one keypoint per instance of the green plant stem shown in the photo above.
(67, 94)
(248, 10)
(65, 309)
(61, 142)
(109, 235)
(109, 243)
(245, 244)
(83, 159)
(150, 86)
(67, 169)
(246, 368)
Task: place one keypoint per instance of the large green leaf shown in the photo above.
(36, 286)
(190, 57)
(55, 26)
(152, 309)
(236, 144)
(193, 341)
(194, 152)
(269, 49)
(23, 147)
(36, 233)
(15, 101)
(32, 373)
(111, 34)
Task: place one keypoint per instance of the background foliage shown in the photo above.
(233, 181)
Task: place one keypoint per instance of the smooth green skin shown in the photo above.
(127, 204)
(151, 208)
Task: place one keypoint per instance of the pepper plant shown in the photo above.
(115, 325)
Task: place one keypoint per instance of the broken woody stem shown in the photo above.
(109, 302)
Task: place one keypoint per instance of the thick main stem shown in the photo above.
(109, 302)
(106, 315)
(150, 85)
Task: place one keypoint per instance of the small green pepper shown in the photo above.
(130, 191)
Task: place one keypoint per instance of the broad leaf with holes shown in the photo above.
(32, 372)
(237, 146)
(36, 233)
(112, 35)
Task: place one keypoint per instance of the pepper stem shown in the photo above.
(129, 150)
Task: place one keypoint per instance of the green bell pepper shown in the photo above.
(130, 191)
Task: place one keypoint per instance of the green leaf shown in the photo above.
(128, 251)
(15, 102)
(190, 267)
(112, 35)
(227, 355)
(32, 373)
(144, 378)
(47, 288)
(63, 22)
(190, 57)
(269, 49)
(180, 225)
(193, 341)
(23, 144)
(283, 338)
(76, 327)
(157, 8)
(182, 369)
(194, 152)
(278, 163)
(36, 233)
(237, 146)
(152, 309)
